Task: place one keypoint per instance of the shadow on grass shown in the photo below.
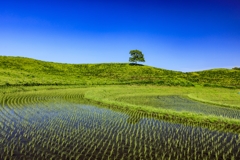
(135, 64)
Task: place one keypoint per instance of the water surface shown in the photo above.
(66, 130)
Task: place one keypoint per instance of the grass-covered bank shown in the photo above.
(19, 71)
(137, 98)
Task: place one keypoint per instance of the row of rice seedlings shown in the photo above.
(63, 130)
(182, 104)
(30, 151)
(32, 98)
(178, 103)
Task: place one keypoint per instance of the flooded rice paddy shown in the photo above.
(182, 104)
(61, 129)
(179, 103)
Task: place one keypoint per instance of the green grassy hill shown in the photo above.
(229, 78)
(29, 72)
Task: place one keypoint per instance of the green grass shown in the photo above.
(30, 72)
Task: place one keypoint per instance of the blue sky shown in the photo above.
(186, 35)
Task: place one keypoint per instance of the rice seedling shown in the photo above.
(52, 127)
(179, 103)
(63, 124)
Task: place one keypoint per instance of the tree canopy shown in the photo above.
(136, 56)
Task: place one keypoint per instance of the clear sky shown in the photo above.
(183, 35)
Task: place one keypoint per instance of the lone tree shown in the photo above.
(136, 56)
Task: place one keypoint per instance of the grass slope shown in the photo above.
(31, 72)
(229, 78)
